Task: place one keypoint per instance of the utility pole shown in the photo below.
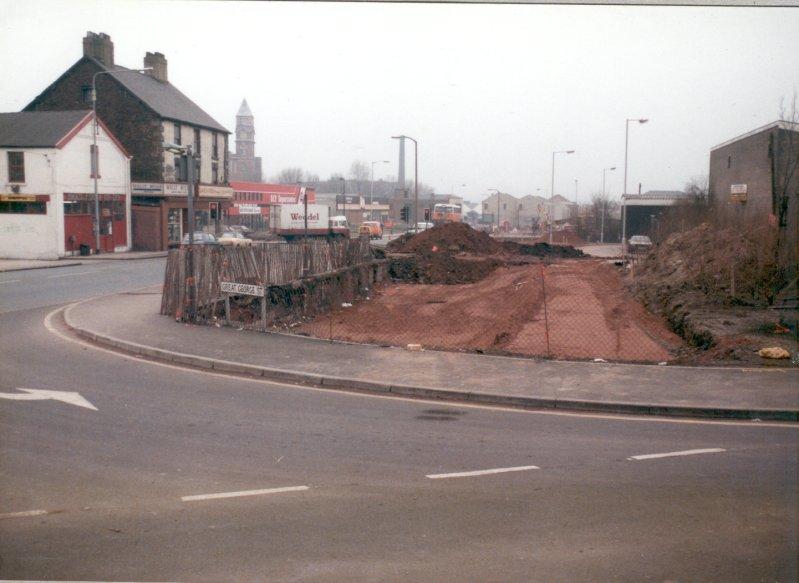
(552, 189)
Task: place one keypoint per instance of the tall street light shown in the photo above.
(642, 120)
(95, 155)
(415, 176)
(552, 188)
(497, 191)
(604, 204)
(372, 184)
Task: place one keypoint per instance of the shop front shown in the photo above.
(160, 213)
(79, 217)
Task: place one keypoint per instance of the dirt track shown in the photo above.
(588, 315)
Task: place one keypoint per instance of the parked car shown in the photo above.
(373, 229)
(420, 226)
(639, 243)
(200, 238)
(234, 239)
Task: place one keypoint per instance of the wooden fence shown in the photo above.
(193, 275)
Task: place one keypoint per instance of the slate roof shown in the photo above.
(163, 98)
(37, 129)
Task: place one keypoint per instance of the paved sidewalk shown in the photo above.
(25, 264)
(132, 321)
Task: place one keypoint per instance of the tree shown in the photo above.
(784, 150)
(291, 175)
(697, 187)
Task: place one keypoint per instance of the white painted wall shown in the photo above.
(56, 171)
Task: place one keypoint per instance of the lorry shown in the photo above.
(288, 221)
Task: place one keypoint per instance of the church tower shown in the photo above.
(244, 166)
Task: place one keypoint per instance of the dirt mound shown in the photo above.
(441, 268)
(543, 250)
(451, 237)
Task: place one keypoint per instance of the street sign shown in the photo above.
(248, 209)
(242, 289)
(738, 192)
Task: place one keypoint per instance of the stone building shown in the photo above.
(144, 110)
(244, 165)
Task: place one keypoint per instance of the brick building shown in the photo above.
(244, 165)
(144, 110)
(754, 181)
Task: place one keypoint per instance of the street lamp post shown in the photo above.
(415, 176)
(604, 204)
(372, 185)
(95, 155)
(552, 188)
(642, 120)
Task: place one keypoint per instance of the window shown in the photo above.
(177, 134)
(729, 161)
(504, 206)
(86, 94)
(197, 141)
(94, 154)
(485, 206)
(16, 166)
(215, 150)
(215, 171)
(23, 208)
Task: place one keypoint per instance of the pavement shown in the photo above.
(131, 322)
(26, 264)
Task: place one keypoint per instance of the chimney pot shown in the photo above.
(158, 63)
(100, 47)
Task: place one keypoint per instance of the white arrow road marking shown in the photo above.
(243, 493)
(481, 472)
(651, 456)
(42, 395)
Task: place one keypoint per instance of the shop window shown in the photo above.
(16, 166)
(23, 208)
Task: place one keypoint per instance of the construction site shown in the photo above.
(454, 288)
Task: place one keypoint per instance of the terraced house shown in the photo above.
(144, 110)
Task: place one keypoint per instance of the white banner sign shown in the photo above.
(249, 209)
(242, 289)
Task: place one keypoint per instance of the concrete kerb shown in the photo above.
(341, 383)
(32, 267)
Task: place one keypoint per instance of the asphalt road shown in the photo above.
(35, 288)
(107, 494)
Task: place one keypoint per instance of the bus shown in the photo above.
(447, 213)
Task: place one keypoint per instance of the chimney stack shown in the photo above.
(100, 47)
(158, 62)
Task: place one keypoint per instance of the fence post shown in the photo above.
(546, 316)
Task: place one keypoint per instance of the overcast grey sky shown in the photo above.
(488, 90)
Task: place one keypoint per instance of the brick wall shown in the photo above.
(133, 123)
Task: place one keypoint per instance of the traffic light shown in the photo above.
(404, 212)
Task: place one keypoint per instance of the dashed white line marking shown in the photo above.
(651, 456)
(481, 472)
(243, 493)
(70, 274)
(10, 281)
(24, 514)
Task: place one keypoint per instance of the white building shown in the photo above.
(47, 186)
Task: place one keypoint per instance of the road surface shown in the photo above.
(185, 475)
